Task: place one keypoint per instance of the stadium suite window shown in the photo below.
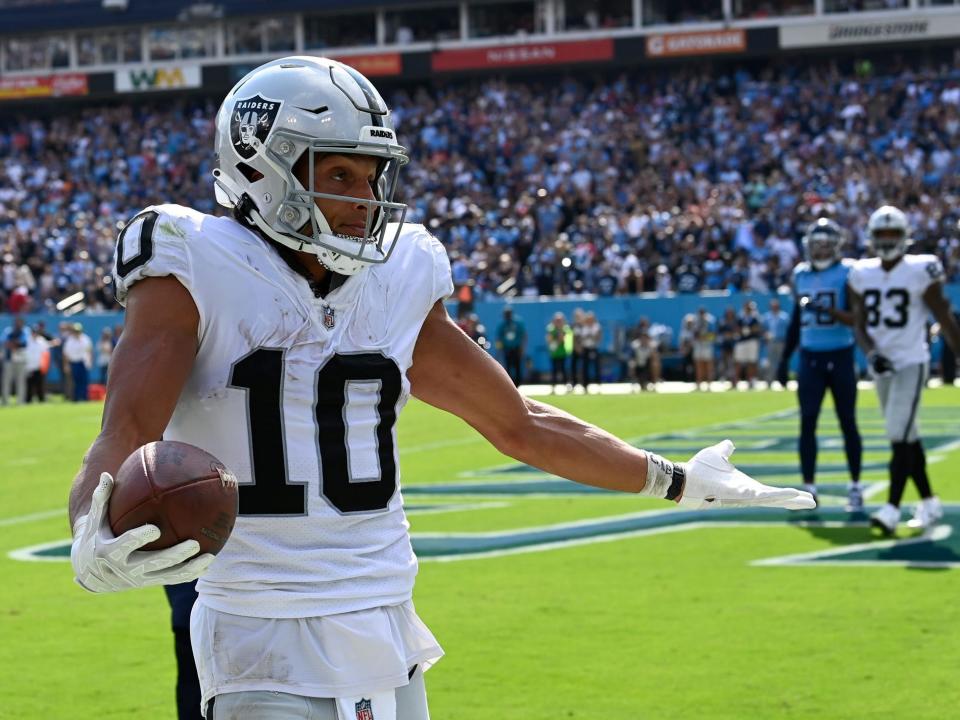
(280, 34)
(595, 14)
(37, 53)
(171, 43)
(198, 41)
(840, 6)
(245, 37)
(503, 19)
(661, 12)
(162, 43)
(422, 24)
(765, 9)
(323, 31)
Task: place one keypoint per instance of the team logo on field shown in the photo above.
(251, 122)
(364, 710)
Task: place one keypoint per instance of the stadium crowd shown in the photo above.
(669, 182)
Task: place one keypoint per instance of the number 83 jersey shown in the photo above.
(299, 397)
(893, 305)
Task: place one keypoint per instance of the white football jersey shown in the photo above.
(896, 315)
(299, 397)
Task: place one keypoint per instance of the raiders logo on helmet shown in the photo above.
(252, 118)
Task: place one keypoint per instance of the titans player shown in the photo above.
(822, 325)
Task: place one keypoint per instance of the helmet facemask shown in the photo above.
(888, 243)
(888, 233)
(823, 244)
(823, 252)
(301, 220)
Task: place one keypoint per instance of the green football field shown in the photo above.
(553, 601)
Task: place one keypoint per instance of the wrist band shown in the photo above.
(665, 479)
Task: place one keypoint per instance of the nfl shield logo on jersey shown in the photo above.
(328, 317)
(364, 710)
(251, 122)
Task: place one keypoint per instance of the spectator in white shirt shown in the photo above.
(78, 354)
(38, 359)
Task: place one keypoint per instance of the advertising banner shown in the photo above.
(903, 29)
(21, 87)
(709, 42)
(545, 53)
(373, 65)
(168, 77)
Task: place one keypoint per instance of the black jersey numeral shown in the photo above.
(145, 252)
(261, 374)
(900, 306)
(345, 491)
(271, 493)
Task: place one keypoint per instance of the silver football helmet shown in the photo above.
(823, 243)
(888, 233)
(305, 105)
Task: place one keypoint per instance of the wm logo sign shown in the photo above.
(161, 78)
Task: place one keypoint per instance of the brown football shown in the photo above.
(183, 490)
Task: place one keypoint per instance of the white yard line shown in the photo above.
(43, 515)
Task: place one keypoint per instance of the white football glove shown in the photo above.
(104, 563)
(712, 481)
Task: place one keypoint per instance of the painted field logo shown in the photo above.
(766, 449)
(939, 548)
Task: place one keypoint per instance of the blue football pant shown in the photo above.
(819, 371)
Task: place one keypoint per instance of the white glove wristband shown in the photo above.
(665, 479)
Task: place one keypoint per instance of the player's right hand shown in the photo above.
(713, 482)
(879, 364)
(104, 563)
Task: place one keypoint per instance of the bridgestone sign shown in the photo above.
(854, 33)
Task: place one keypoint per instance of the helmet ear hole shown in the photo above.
(250, 173)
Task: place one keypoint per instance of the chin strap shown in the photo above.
(232, 196)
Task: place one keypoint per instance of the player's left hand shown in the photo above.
(712, 481)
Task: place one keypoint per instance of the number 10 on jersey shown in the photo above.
(349, 490)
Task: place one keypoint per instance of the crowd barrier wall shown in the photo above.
(616, 314)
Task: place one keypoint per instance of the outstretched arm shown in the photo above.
(454, 374)
(450, 372)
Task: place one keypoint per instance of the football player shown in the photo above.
(285, 340)
(893, 294)
(821, 324)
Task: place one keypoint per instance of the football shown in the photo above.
(183, 490)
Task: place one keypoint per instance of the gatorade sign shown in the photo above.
(169, 77)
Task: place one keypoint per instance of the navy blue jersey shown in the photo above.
(822, 289)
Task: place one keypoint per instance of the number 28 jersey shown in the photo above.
(820, 331)
(896, 314)
(299, 397)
